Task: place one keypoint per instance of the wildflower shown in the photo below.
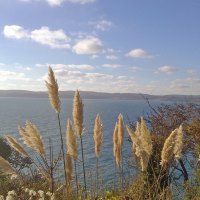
(12, 192)
(48, 193)
(26, 190)
(32, 193)
(41, 193)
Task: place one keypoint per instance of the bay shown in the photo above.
(15, 111)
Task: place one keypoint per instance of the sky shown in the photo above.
(126, 46)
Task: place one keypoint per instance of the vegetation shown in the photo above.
(166, 155)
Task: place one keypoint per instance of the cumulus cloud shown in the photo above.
(59, 2)
(167, 69)
(111, 57)
(114, 66)
(102, 25)
(15, 32)
(139, 53)
(78, 74)
(53, 38)
(10, 75)
(90, 45)
(111, 54)
(67, 66)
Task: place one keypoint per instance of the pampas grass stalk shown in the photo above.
(98, 139)
(53, 92)
(78, 122)
(72, 147)
(15, 145)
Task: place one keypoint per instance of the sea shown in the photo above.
(16, 111)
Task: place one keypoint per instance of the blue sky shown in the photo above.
(101, 45)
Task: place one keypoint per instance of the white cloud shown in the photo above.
(78, 74)
(59, 2)
(15, 32)
(10, 75)
(111, 57)
(54, 2)
(139, 53)
(80, 1)
(102, 25)
(2, 64)
(90, 45)
(167, 69)
(111, 54)
(112, 66)
(67, 66)
(135, 68)
(45, 36)
(54, 39)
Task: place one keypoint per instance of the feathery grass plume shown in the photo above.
(52, 87)
(118, 156)
(138, 149)
(78, 122)
(145, 137)
(69, 167)
(120, 130)
(115, 140)
(6, 167)
(32, 137)
(25, 136)
(178, 143)
(168, 148)
(98, 135)
(71, 141)
(78, 113)
(15, 145)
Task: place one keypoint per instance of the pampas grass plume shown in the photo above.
(120, 130)
(118, 156)
(32, 137)
(6, 167)
(71, 141)
(178, 143)
(145, 137)
(52, 87)
(115, 140)
(69, 167)
(138, 147)
(98, 135)
(78, 113)
(168, 148)
(15, 145)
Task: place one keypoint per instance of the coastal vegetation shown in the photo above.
(165, 155)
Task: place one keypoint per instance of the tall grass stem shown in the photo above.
(62, 148)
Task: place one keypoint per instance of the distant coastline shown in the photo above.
(101, 95)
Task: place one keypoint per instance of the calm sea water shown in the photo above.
(15, 111)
